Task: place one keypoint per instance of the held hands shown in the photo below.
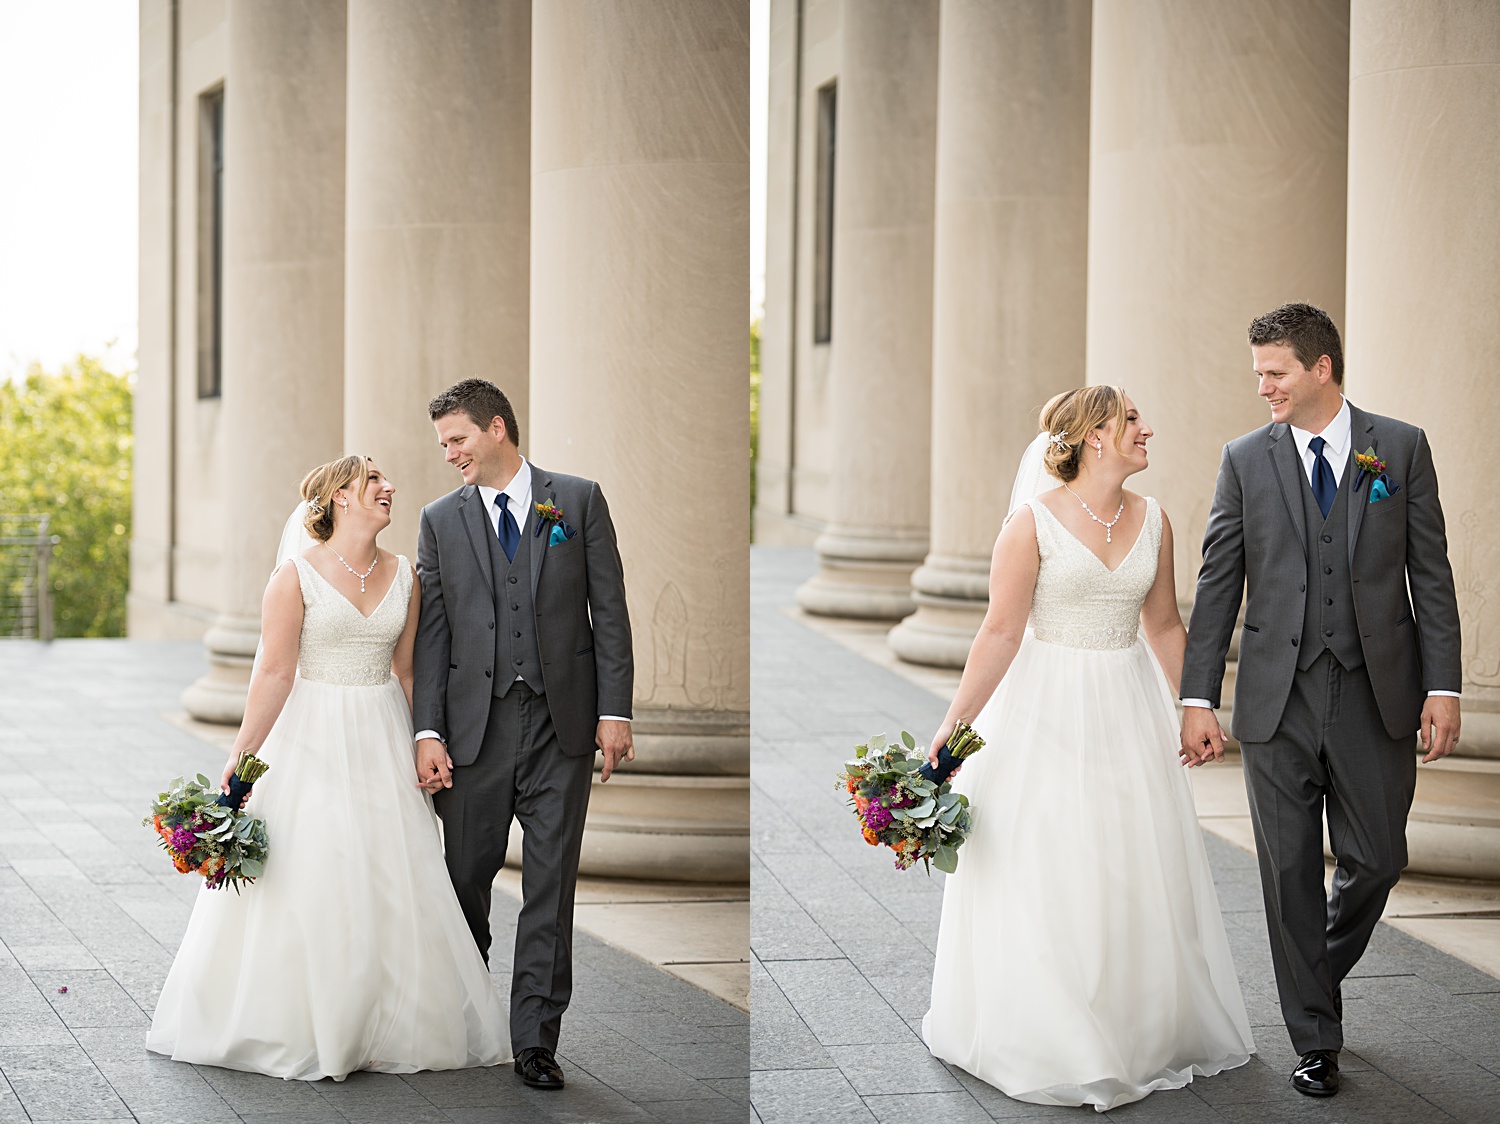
(1202, 737)
(1439, 730)
(616, 742)
(434, 766)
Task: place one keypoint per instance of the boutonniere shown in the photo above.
(548, 515)
(1369, 464)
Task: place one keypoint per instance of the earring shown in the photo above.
(344, 504)
(1099, 451)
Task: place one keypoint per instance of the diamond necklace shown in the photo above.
(1109, 528)
(371, 570)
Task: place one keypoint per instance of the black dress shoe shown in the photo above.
(539, 1069)
(1317, 1074)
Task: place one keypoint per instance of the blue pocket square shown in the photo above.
(1382, 489)
(561, 532)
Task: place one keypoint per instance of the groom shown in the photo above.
(1326, 517)
(523, 669)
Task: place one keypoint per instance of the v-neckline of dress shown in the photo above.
(1128, 554)
(341, 596)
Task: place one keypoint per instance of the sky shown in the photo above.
(68, 183)
(68, 179)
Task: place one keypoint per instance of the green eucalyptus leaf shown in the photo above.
(945, 859)
(908, 741)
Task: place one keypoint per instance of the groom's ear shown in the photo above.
(1323, 370)
(497, 427)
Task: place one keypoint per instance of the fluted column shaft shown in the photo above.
(639, 291)
(283, 302)
(1217, 185)
(1010, 260)
(438, 226)
(881, 364)
(1423, 333)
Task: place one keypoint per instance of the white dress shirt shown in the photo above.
(518, 502)
(1336, 451)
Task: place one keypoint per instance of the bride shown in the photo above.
(1081, 958)
(350, 952)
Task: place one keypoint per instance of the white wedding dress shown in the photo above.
(1082, 958)
(350, 951)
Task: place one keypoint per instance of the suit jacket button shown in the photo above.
(1328, 569)
(1328, 600)
(486, 674)
(513, 579)
(1326, 538)
(1302, 588)
(518, 635)
(1328, 632)
(515, 608)
(492, 624)
(1294, 641)
(518, 663)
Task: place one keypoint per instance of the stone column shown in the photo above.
(283, 304)
(1423, 334)
(881, 365)
(438, 225)
(1217, 184)
(639, 299)
(1009, 268)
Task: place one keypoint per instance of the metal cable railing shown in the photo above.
(25, 588)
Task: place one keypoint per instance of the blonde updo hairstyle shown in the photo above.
(319, 485)
(1073, 415)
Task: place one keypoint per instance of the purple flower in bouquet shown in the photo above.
(183, 840)
(877, 816)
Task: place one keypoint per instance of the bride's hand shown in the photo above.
(229, 768)
(940, 739)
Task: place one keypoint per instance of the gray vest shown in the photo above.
(1329, 620)
(516, 651)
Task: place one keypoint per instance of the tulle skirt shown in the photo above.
(350, 952)
(1082, 958)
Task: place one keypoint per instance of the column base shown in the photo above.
(662, 829)
(951, 594)
(219, 696)
(863, 574)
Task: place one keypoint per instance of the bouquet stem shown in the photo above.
(249, 770)
(962, 743)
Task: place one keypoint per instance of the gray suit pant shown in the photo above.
(1331, 753)
(521, 772)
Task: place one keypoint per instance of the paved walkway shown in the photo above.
(89, 903)
(842, 943)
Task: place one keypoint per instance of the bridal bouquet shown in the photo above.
(205, 831)
(906, 804)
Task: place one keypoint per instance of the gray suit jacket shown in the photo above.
(582, 624)
(1255, 542)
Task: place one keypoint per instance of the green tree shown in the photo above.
(65, 451)
(754, 409)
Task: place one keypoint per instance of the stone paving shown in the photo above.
(842, 943)
(88, 903)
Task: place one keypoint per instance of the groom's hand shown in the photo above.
(1439, 729)
(615, 741)
(434, 766)
(1202, 736)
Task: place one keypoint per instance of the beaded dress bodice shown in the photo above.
(1079, 602)
(339, 644)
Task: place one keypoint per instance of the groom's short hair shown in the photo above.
(1307, 330)
(482, 401)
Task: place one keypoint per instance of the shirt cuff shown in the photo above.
(1445, 694)
(429, 734)
(612, 718)
(1204, 703)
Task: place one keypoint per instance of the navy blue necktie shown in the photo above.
(510, 534)
(1323, 484)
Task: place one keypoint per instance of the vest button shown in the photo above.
(518, 662)
(518, 635)
(1328, 569)
(1326, 538)
(1328, 632)
(1294, 641)
(492, 624)
(515, 608)
(486, 674)
(513, 579)
(1302, 588)
(1328, 600)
